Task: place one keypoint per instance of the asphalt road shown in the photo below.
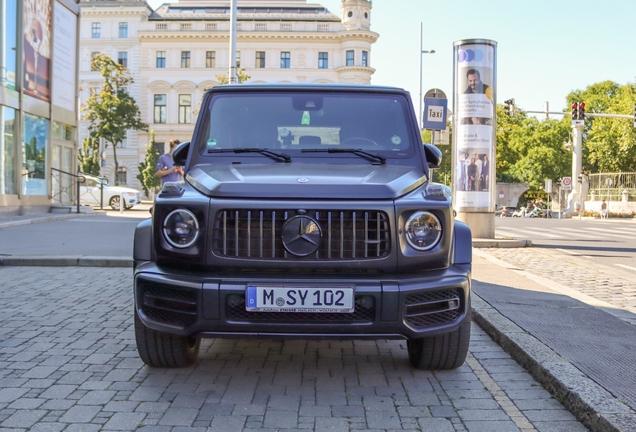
(611, 242)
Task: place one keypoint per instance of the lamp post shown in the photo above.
(419, 116)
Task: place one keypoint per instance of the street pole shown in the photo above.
(419, 113)
(233, 76)
(577, 164)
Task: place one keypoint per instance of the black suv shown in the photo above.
(306, 212)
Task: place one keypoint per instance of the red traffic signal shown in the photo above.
(575, 111)
(581, 110)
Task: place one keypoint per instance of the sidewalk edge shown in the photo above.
(591, 404)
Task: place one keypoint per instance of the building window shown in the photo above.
(123, 29)
(349, 58)
(365, 58)
(185, 108)
(161, 59)
(122, 58)
(122, 176)
(238, 59)
(35, 142)
(8, 45)
(260, 59)
(210, 59)
(185, 59)
(323, 60)
(160, 108)
(96, 30)
(284, 60)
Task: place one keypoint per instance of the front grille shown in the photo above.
(169, 305)
(433, 308)
(346, 235)
(235, 311)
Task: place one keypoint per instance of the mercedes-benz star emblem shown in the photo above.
(301, 235)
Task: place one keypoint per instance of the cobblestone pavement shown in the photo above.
(68, 362)
(577, 272)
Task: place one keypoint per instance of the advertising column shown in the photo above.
(474, 134)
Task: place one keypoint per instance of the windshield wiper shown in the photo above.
(361, 153)
(265, 152)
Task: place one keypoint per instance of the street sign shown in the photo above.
(566, 183)
(548, 186)
(435, 93)
(501, 194)
(435, 113)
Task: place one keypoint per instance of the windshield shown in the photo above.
(293, 122)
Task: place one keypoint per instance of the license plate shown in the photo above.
(299, 299)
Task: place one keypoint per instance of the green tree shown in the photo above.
(443, 173)
(531, 151)
(609, 143)
(89, 157)
(147, 175)
(242, 76)
(112, 112)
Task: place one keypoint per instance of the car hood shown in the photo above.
(300, 181)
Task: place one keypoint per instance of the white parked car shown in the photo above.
(90, 192)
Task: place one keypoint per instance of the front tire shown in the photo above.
(158, 349)
(114, 203)
(446, 351)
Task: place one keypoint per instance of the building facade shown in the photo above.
(181, 49)
(38, 103)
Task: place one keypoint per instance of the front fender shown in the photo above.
(143, 248)
(462, 252)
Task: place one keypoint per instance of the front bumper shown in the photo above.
(196, 304)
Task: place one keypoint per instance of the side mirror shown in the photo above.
(433, 156)
(180, 153)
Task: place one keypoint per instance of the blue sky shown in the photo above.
(545, 48)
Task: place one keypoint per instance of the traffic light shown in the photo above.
(575, 111)
(581, 110)
(510, 107)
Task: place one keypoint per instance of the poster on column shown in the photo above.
(475, 126)
(37, 48)
(64, 50)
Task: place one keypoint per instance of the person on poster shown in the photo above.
(461, 168)
(466, 178)
(485, 176)
(478, 163)
(471, 171)
(476, 85)
(166, 169)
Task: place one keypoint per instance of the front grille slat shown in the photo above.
(346, 234)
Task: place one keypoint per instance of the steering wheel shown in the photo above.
(351, 141)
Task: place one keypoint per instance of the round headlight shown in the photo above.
(180, 228)
(423, 230)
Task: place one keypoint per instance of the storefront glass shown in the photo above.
(8, 42)
(7, 151)
(35, 142)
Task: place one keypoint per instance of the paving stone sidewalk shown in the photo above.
(68, 362)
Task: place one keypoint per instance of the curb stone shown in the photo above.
(591, 404)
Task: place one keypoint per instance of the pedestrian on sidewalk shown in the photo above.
(603, 210)
(166, 168)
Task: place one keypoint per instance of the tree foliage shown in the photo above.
(89, 157)
(240, 72)
(150, 182)
(443, 173)
(112, 111)
(609, 143)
